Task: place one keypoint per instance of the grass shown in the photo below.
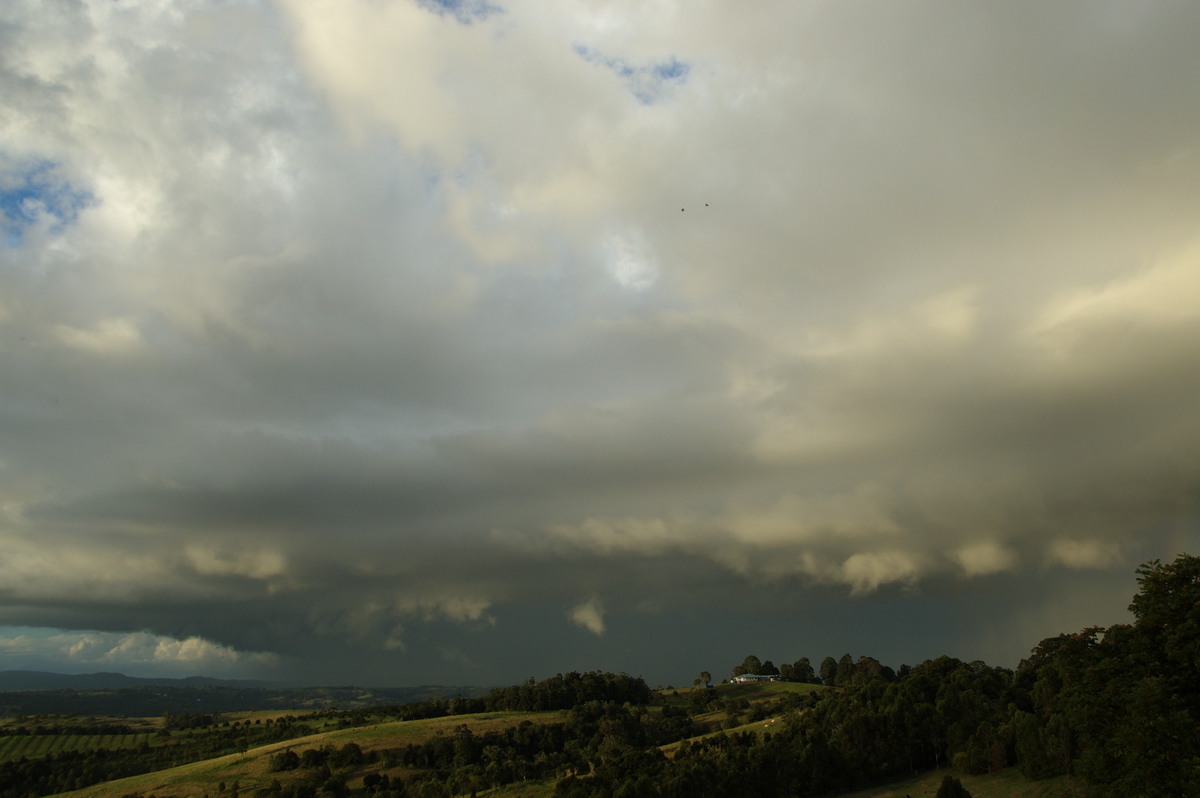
(252, 770)
(32, 746)
(754, 691)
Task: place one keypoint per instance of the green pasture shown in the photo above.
(32, 746)
(754, 691)
(252, 769)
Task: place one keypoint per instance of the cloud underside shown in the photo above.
(324, 321)
(136, 651)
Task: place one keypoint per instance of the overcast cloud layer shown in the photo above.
(392, 342)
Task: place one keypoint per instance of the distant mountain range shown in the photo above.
(115, 694)
(18, 681)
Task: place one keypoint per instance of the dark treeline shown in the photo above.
(833, 672)
(557, 692)
(98, 729)
(564, 692)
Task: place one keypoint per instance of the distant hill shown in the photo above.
(18, 681)
(118, 695)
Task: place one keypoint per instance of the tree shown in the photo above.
(829, 669)
(845, 670)
(802, 671)
(285, 760)
(952, 788)
(1167, 612)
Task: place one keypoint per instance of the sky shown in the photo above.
(394, 342)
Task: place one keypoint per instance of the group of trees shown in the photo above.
(43, 729)
(833, 672)
(1120, 707)
(875, 730)
(566, 691)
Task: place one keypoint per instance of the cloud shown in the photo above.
(131, 652)
(361, 331)
(1084, 553)
(589, 615)
(867, 571)
(985, 557)
(630, 261)
(252, 564)
(108, 336)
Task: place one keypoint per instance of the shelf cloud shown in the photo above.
(391, 341)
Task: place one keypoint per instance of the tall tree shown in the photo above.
(829, 668)
(802, 671)
(751, 664)
(845, 670)
(1167, 609)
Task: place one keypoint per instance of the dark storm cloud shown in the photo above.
(381, 347)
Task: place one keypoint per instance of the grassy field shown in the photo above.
(31, 746)
(252, 769)
(747, 689)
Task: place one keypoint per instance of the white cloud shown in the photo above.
(630, 260)
(457, 608)
(1095, 320)
(108, 336)
(868, 571)
(227, 561)
(644, 536)
(1084, 553)
(130, 652)
(589, 615)
(985, 557)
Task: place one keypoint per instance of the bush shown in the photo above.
(952, 788)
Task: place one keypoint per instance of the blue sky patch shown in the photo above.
(649, 83)
(29, 194)
(465, 11)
